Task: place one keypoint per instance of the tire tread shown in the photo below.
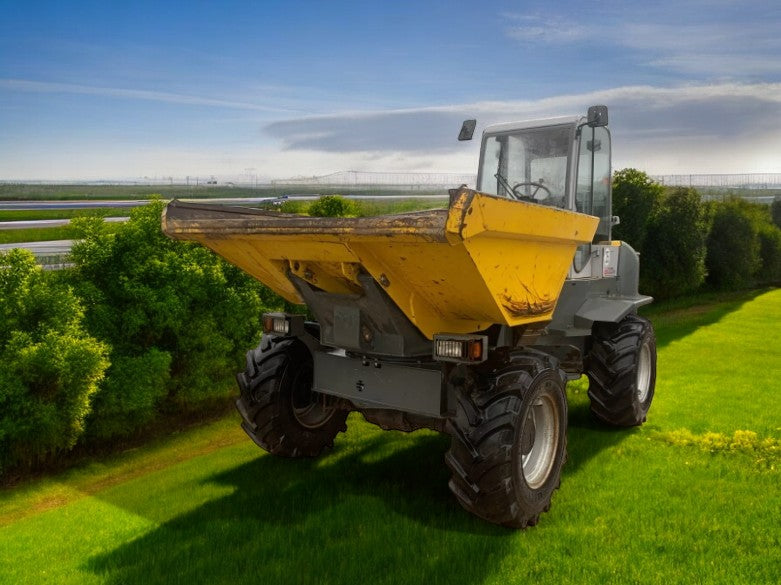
(482, 435)
(612, 371)
(264, 402)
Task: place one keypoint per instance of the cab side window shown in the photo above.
(593, 189)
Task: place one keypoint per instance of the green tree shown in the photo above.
(333, 206)
(294, 206)
(50, 366)
(178, 319)
(636, 198)
(673, 261)
(733, 244)
(775, 210)
(770, 253)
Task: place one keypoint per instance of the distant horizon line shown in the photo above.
(385, 178)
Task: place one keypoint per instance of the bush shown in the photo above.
(294, 206)
(50, 366)
(733, 257)
(770, 254)
(673, 262)
(636, 198)
(333, 206)
(173, 312)
(130, 395)
(775, 210)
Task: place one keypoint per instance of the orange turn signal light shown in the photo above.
(460, 348)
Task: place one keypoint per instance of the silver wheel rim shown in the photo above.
(311, 409)
(644, 372)
(316, 414)
(540, 439)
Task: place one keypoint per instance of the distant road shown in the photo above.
(50, 248)
(46, 223)
(95, 203)
(108, 203)
(92, 204)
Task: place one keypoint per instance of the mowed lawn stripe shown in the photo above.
(724, 376)
(92, 478)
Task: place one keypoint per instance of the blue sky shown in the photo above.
(123, 90)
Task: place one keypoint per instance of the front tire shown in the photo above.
(622, 371)
(509, 440)
(280, 411)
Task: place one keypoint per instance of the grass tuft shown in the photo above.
(765, 451)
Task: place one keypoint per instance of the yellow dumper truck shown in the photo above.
(468, 320)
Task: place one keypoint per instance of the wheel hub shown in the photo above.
(527, 439)
(644, 372)
(539, 439)
(311, 409)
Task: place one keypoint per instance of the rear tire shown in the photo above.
(509, 440)
(281, 412)
(622, 371)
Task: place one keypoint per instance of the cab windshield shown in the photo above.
(529, 164)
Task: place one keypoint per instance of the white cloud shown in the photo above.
(724, 49)
(715, 128)
(670, 39)
(690, 129)
(551, 30)
(720, 65)
(135, 94)
(413, 128)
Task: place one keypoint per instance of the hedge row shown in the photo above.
(687, 244)
(142, 326)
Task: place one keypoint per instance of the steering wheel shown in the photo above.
(533, 196)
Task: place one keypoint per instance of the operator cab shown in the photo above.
(560, 162)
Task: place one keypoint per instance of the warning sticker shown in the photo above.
(609, 262)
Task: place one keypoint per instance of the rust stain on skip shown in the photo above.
(527, 307)
(533, 304)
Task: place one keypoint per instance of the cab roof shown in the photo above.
(524, 124)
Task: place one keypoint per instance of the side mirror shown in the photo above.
(467, 130)
(597, 116)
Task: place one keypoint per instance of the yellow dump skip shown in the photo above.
(484, 260)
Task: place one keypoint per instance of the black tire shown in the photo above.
(281, 412)
(622, 371)
(517, 413)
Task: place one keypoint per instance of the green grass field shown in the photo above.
(693, 496)
(47, 234)
(65, 232)
(38, 214)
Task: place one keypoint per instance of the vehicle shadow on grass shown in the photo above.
(373, 511)
(377, 509)
(587, 438)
